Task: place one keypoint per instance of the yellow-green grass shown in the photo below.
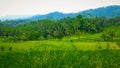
(96, 45)
(57, 45)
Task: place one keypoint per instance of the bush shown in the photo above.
(2, 48)
(109, 36)
(108, 46)
(10, 48)
(118, 43)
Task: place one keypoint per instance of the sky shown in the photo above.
(27, 7)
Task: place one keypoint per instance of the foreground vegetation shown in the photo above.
(61, 59)
(59, 54)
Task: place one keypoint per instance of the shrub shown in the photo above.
(10, 48)
(108, 46)
(2, 48)
(109, 36)
(118, 43)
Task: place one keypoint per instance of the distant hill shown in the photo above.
(109, 11)
(53, 15)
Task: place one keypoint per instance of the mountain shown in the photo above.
(109, 11)
(53, 15)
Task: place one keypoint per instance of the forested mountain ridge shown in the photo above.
(60, 25)
(109, 11)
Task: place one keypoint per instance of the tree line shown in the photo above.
(50, 29)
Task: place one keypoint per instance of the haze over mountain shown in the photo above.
(14, 17)
(53, 15)
(109, 11)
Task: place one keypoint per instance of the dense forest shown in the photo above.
(51, 29)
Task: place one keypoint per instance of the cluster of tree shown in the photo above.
(48, 29)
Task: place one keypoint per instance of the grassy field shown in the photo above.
(59, 54)
(69, 52)
(57, 45)
(61, 59)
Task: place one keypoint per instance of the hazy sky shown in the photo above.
(21, 7)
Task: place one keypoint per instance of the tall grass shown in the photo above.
(61, 59)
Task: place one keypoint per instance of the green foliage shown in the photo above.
(2, 48)
(10, 48)
(61, 59)
(118, 43)
(109, 36)
(49, 29)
